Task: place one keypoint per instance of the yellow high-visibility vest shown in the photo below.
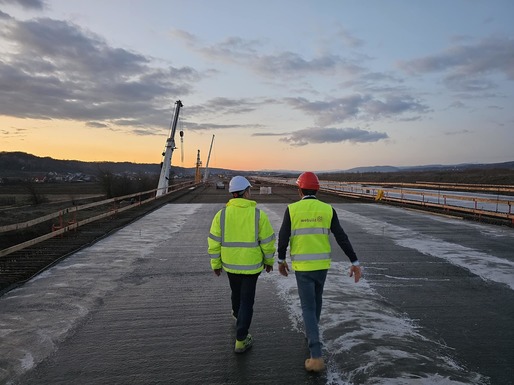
(241, 239)
(310, 230)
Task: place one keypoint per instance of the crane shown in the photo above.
(198, 174)
(206, 172)
(162, 187)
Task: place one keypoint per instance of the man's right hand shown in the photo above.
(283, 269)
(217, 272)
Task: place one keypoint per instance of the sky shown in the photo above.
(279, 84)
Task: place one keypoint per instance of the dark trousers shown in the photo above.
(243, 296)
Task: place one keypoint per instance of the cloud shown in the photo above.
(456, 105)
(244, 52)
(270, 134)
(290, 64)
(393, 105)
(185, 36)
(13, 133)
(468, 83)
(231, 49)
(52, 69)
(348, 38)
(357, 106)
(222, 106)
(466, 65)
(96, 125)
(460, 132)
(27, 4)
(379, 99)
(211, 126)
(376, 82)
(332, 135)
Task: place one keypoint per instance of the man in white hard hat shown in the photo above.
(241, 242)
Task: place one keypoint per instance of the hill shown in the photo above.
(20, 165)
(14, 164)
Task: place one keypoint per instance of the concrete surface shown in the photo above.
(141, 306)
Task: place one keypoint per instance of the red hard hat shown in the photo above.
(308, 181)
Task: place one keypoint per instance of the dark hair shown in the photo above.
(309, 192)
(239, 194)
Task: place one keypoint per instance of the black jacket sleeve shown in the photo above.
(341, 237)
(283, 235)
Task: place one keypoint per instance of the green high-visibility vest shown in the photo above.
(241, 239)
(310, 230)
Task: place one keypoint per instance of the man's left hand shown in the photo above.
(356, 271)
(269, 268)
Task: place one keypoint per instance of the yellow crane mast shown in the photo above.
(198, 174)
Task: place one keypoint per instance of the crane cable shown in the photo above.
(181, 144)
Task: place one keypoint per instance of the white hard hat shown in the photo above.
(238, 183)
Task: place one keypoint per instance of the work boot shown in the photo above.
(244, 345)
(314, 364)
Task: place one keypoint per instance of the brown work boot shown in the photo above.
(314, 364)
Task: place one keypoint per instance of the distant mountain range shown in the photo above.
(393, 169)
(434, 167)
(19, 164)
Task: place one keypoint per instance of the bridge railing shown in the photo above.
(68, 217)
(492, 205)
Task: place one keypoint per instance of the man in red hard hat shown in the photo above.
(306, 227)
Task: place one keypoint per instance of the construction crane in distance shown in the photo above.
(198, 175)
(162, 187)
(206, 172)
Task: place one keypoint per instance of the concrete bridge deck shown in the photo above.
(436, 306)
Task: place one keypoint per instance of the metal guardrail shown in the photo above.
(491, 188)
(62, 228)
(449, 201)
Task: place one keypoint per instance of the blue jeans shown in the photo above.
(310, 289)
(243, 296)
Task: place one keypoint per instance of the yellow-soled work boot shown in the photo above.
(314, 364)
(244, 345)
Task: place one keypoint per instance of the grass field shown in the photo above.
(19, 203)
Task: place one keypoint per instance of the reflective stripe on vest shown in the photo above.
(310, 257)
(309, 231)
(267, 240)
(240, 244)
(214, 237)
(242, 267)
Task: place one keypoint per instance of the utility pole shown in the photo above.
(162, 187)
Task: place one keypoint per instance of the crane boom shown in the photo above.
(162, 187)
(206, 172)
